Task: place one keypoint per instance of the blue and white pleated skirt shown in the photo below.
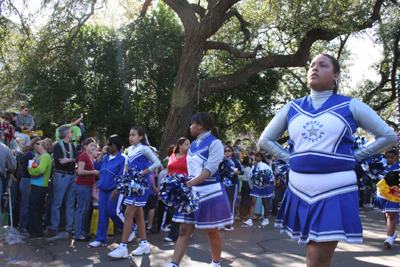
(335, 218)
(261, 192)
(214, 210)
(138, 201)
(385, 205)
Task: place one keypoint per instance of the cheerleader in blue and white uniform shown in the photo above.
(263, 192)
(203, 159)
(390, 208)
(320, 206)
(140, 157)
(232, 190)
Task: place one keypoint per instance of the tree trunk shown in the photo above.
(184, 96)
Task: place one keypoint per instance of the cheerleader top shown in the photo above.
(205, 153)
(138, 158)
(321, 126)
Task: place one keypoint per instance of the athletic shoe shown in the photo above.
(389, 242)
(131, 236)
(165, 229)
(119, 253)
(213, 264)
(96, 244)
(142, 249)
(264, 222)
(229, 229)
(394, 235)
(168, 239)
(249, 222)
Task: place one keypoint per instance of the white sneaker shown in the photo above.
(131, 236)
(212, 264)
(229, 228)
(264, 222)
(394, 235)
(165, 229)
(96, 244)
(249, 222)
(389, 242)
(119, 253)
(168, 239)
(142, 249)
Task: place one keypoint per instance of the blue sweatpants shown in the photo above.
(108, 209)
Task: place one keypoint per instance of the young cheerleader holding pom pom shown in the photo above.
(320, 206)
(213, 211)
(264, 192)
(390, 208)
(139, 155)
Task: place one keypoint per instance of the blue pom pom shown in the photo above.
(173, 192)
(262, 178)
(281, 173)
(131, 183)
(226, 172)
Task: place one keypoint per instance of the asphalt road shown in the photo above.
(242, 247)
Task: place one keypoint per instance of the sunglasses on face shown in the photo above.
(228, 150)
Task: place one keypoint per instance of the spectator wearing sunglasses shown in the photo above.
(232, 190)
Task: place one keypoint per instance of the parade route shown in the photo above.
(242, 247)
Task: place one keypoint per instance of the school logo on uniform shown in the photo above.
(191, 166)
(313, 131)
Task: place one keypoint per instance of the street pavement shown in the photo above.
(255, 246)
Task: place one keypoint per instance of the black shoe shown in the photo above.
(83, 239)
(89, 236)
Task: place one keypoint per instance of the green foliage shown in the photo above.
(117, 78)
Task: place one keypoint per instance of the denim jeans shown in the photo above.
(24, 212)
(63, 187)
(84, 196)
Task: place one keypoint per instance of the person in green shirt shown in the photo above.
(76, 130)
(41, 172)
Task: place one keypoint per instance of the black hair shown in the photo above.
(246, 161)
(89, 140)
(116, 140)
(336, 69)
(262, 156)
(180, 142)
(392, 178)
(207, 121)
(268, 156)
(141, 132)
(392, 151)
(61, 120)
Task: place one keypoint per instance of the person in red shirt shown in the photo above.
(84, 181)
(177, 164)
(6, 130)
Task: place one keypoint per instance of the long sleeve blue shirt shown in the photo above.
(108, 170)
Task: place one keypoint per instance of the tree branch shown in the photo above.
(243, 24)
(211, 45)
(199, 10)
(185, 13)
(145, 6)
(298, 59)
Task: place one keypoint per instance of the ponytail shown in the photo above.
(214, 131)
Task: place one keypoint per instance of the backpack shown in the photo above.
(19, 170)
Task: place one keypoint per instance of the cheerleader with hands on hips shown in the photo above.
(390, 208)
(203, 159)
(139, 154)
(265, 192)
(320, 206)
